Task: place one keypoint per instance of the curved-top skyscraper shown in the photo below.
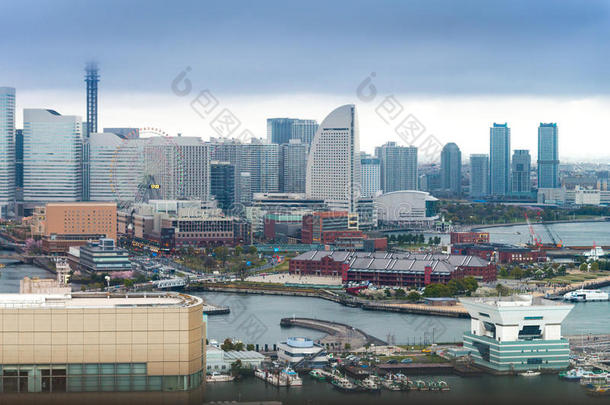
(333, 166)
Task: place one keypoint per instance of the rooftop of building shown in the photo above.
(97, 300)
(404, 261)
(520, 300)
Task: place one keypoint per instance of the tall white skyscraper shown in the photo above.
(370, 175)
(52, 156)
(333, 166)
(7, 150)
(116, 167)
(548, 156)
(180, 166)
(479, 175)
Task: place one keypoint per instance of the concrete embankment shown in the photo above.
(338, 334)
(419, 309)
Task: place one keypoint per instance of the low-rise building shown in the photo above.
(220, 361)
(392, 269)
(517, 333)
(297, 350)
(101, 257)
(469, 237)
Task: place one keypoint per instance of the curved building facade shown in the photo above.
(333, 166)
(407, 206)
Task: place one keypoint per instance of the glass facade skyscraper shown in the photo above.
(7, 150)
(520, 176)
(52, 156)
(548, 156)
(282, 130)
(451, 169)
(479, 175)
(398, 167)
(222, 183)
(499, 160)
(293, 166)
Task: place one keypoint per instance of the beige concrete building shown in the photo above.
(94, 342)
(88, 219)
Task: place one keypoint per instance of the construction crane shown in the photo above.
(536, 241)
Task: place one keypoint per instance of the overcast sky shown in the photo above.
(458, 66)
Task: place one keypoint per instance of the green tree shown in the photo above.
(503, 290)
(239, 346)
(238, 250)
(249, 347)
(388, 292)
(595, 266)
(413, 296)
(236, 368)
(252, 250)
(221, 252)
(584, 267)
(227, 345)
(437, 290)
(400, 293)
(128, 283)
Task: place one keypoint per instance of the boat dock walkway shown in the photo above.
(338, 334)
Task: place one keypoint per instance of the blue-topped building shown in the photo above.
(517, 333)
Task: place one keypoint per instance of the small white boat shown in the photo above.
(583, 295)
(530, 373)
(217, 377)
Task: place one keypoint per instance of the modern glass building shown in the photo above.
(521, 183)
(7, 150)
(333, 166)
(479, 175)
(451, 169)
(282, 130)
(499, 160)
(222, 183)
(370, 174)
(52, 156)
(548, 156)
(398, 167)
(293, 166)
(517, 333)
(304, 130)
(262, 161)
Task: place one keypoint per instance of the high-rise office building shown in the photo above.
(282, 130)
(370, 176)
(548, 156)
(7, 150)
(262, 161)
(479, 175)
(180, 167)
(222, 183)
(304, 130)
(293, 166)
(279, 130)
(116, 167)
(451, 169)
(398, 167)
(124, 132)
(333, 165)
(521, 183)
(92, 78)
(19, 164)
(52, 156)
(244, 188)
(499, 160)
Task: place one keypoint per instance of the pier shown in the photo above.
(338, 334)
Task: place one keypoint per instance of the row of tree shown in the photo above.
(413, 239)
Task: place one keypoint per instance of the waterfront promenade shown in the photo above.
(338, 334)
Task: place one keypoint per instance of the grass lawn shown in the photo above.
(576, 277)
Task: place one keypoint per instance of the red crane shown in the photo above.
(536, 241)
